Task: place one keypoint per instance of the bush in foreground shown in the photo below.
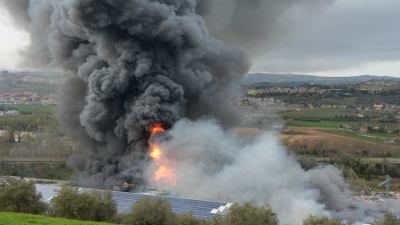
(152, 212)
(94, 206)
(159, 212)
(20, 196)
(248, 214)
(321, 221)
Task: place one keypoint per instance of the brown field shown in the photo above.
(316, 142)
(319, 143)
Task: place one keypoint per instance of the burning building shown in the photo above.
(136, 67)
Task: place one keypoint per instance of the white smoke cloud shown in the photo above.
(214, 163)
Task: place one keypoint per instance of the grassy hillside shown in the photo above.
(25, 219)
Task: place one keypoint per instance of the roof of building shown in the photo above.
(202, 209)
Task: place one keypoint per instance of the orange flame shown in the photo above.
(163, 172)
(157, 129)
(155, 152)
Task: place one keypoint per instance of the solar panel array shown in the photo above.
(198, 208)
(125, 201)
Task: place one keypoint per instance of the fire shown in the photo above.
(157, 129)
(155, 152)
(163, 172)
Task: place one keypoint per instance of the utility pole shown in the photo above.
(387, 185)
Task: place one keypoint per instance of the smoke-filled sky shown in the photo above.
(339, 38)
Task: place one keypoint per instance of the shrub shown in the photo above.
(321, 221)
(250, 215)
(20, 196)
(152, 212)
(94, 206)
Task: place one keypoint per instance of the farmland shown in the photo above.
(29, 109)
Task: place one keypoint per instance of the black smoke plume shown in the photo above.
(132, 63)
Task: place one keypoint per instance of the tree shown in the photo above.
(152, 212)
(94, 206)
(64, 204)
(250, 215)
(321, 221)
(21, 196)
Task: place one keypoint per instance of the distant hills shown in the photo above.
(299, 79)
(40, 82)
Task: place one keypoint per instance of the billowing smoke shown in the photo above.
(214, 163)
(134, 63)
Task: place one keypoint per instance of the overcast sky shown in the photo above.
(348, 37)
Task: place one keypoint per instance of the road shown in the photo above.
(32, 160)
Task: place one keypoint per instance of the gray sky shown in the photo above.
(348, 37)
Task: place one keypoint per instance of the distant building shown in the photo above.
(378, 107)
(1, 114)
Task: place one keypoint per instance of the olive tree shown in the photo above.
(20, 196)
(152, 212)
(94, 206)
(248, 214)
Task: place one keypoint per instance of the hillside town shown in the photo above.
(27, 98)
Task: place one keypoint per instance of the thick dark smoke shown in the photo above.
(133, 63)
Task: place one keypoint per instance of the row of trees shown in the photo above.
(21, 196)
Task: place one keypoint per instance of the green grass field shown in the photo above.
(337, 101)
(318, 123)
(317, 113)
(29, 109)
(26, 219)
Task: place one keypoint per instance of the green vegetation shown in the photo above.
(316, 113)
(20, 196)
(317, 123)
(337, 101)
(25, 219)
(249, 214)
(30, 123)
(93, 206)
(149, 212)
(56, 171)
(30, 109)
(159, 212)
(321, 221)
(20, 82)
